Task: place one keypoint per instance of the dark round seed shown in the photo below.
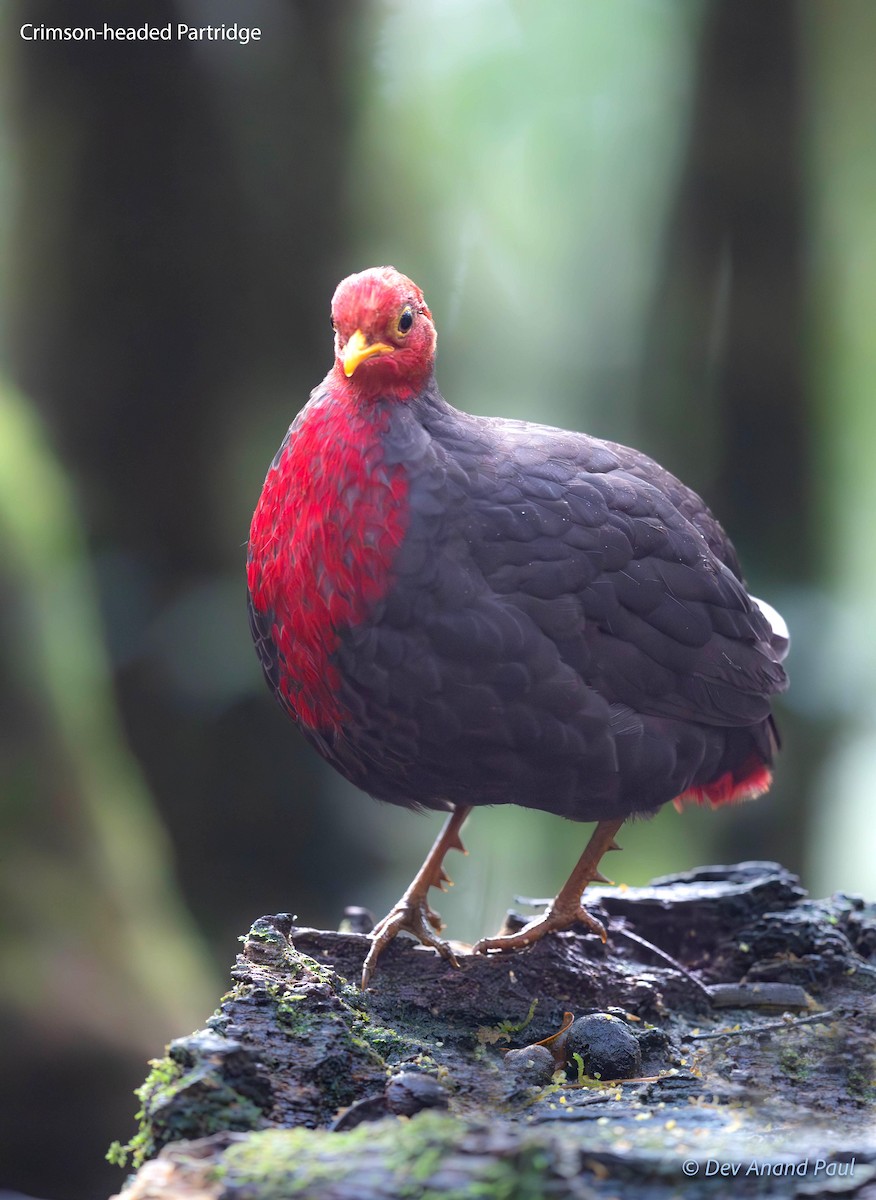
(606, 1047)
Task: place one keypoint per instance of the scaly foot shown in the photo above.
(567, 909)
(413, 912)
(414, 915)
(553, 921)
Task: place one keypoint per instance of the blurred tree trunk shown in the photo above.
(724, 398)
(170, 205)
(841, 351)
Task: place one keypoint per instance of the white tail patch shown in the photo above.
(781, 634)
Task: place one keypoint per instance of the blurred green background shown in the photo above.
(651, 219)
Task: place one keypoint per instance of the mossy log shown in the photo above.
(722, 1042)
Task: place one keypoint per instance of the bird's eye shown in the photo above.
(334, 326)
(406, 320)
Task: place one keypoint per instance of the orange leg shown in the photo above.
(566, 910)
(413, 912)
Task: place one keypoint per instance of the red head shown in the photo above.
(384, 336)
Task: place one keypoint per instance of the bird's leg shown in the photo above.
(567, 908)
(413, 912)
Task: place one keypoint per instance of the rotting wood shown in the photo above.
(303, 1085)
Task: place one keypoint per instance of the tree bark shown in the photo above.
(722, 1041)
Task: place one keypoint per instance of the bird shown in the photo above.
(461, 610)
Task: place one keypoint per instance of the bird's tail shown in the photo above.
(781, 638)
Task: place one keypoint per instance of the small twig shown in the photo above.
(596, 1084)
(620, 931)
(759, 995)
(765, 1027)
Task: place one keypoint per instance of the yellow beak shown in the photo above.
(358, 348)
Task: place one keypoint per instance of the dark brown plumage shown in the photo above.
(462, 610)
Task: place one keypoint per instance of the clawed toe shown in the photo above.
(412, 916)
(413, 912)
(553, 921)
(566, 909)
